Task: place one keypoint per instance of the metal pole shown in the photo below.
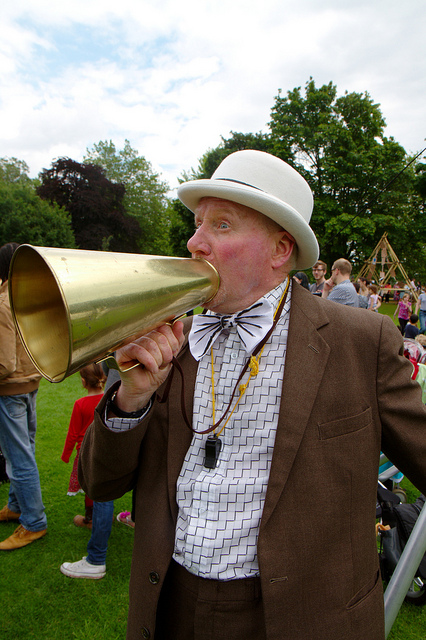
(405, 571)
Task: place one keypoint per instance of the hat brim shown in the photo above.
(190, 193)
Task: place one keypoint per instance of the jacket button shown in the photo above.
(154, 578)
(146, 633)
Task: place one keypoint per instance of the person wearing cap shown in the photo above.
(256, 519)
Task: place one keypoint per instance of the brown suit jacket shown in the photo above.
(347, 394)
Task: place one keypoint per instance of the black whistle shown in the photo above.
(212, 450)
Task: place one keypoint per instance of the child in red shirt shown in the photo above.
(93, 379)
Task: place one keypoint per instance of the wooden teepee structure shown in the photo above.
(383, 264)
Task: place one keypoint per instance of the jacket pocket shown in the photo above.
(345, 425)
(365, 592)
(366, 611)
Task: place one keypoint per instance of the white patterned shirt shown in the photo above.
(220, 509)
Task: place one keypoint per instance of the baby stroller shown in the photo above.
(401, 519)
(397, 519)
(416, 354)
(413, 350)
(389, 475)
(390, 478)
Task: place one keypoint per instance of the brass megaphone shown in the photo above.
(72, 307)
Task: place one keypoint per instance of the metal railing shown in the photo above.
(406, 568)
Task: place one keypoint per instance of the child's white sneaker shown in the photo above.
(83, 569)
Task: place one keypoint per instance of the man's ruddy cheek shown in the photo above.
(228, 253)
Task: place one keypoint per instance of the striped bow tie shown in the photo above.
(252, 325)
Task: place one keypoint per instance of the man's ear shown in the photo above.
(284, 246)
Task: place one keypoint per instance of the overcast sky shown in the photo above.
(172, 76)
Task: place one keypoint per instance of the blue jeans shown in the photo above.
(422, 318)
(97, 546)
(18, 424)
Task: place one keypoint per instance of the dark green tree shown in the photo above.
(338, 144)
(416, 242)
(145, 194)
(420, 183)
(182, 228)
(94, 203)
(26, 218)
(212, 158)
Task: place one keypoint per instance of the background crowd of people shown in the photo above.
(369, 295)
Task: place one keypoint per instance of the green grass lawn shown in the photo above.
(37, 601)
(388, 308)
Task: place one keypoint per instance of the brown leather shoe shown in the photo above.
(20, 538)
(82, 521)
(6, 515)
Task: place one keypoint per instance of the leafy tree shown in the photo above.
(416, 242)
(145, 194)
(338, 144)
(26, 218)
(237, 142)
(94, 203)
(14, 171)
(361, 180)
(420, 183)
(182, 228)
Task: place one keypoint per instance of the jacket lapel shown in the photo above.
(306, 359)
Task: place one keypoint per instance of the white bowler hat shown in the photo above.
(267, 184)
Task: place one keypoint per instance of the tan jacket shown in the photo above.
(347, 394)
(17, 372)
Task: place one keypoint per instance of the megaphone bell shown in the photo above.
(72, 307)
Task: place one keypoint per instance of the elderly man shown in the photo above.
(338, 287)
(257, 521)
